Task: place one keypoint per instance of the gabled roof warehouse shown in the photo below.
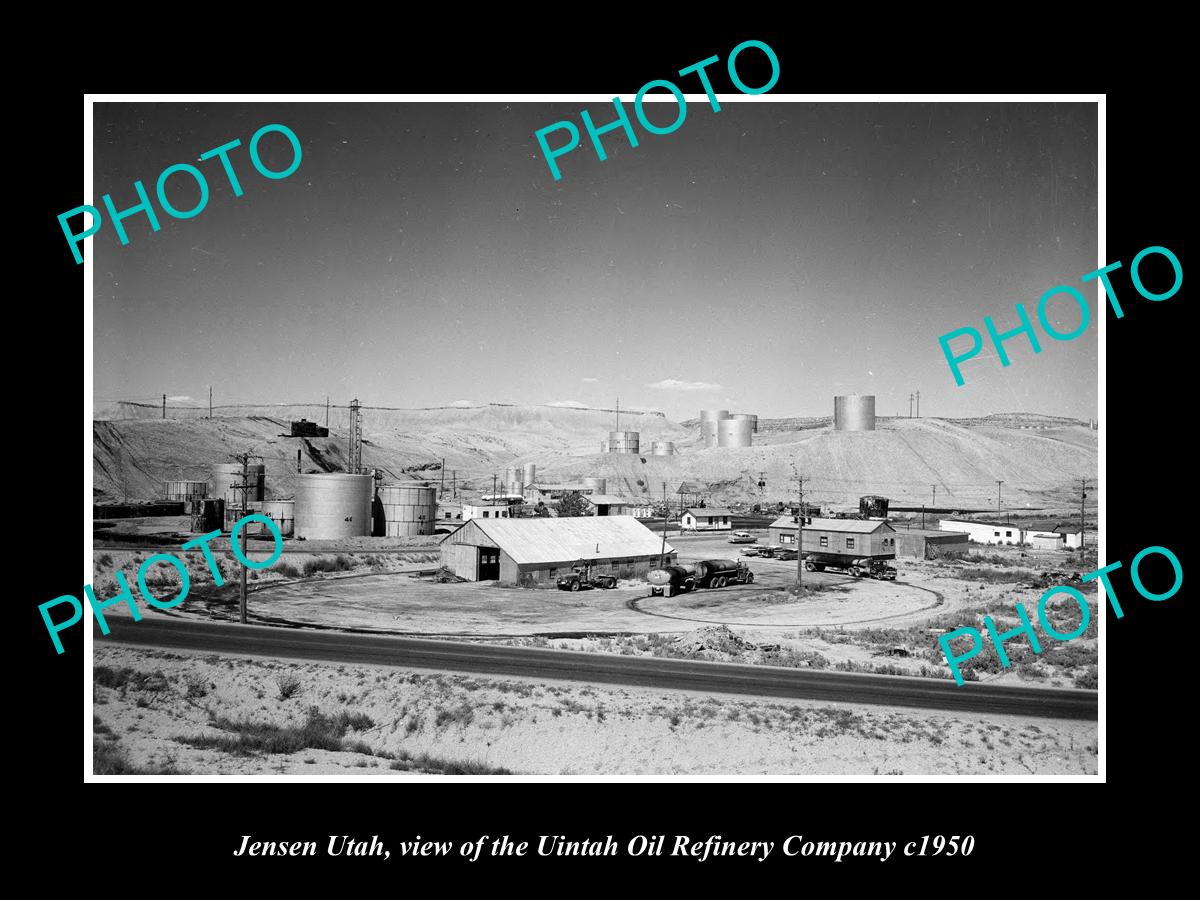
(536, 550)
(850, 526)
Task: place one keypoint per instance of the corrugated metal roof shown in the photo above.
(701, 512)
(567, 539)
(608, 499)
(850, 526)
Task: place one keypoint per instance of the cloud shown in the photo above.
(182, 398)
(574, 404)
(589, 380)
(674, 384)
(463, 403)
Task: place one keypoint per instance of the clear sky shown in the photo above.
(762, 258)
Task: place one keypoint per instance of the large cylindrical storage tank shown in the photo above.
(708, 424)
(515, 488)
(662, 448)
(333, 505)
(408, 510)
(624, 441)
(751, 417)
(596, 485)
(528, 473)
(225, 475)
(735, 433)
(282, 513)
(187, 491)
(854, 412)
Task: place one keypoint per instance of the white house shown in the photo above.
(985, 532)
(706, 519)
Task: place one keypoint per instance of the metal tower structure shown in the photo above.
(354, 463)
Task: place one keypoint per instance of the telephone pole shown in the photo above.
(326, 410)
(1083, 486)
(442, 489)
(210, 401)
(998, 483)
(934, 503)
(918, 404)
(164, 406)
(910, 402)
(800, 533)
(244, 459)
(662, 553)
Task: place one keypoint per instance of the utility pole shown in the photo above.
(326, 410)
(1083, 486)
(918, 404)
(355, 461)
(618, 415)
(662, 553)
(164, 406)
(244, 459)
(298, 469)
(910, 401)
(442, 489)
(922, 516)
(800, 532)
(454, 483)
(934, 503)
(493, 487)
(998, 483)
(210, 401)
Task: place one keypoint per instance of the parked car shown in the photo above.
(785, 554)
(752, 551)
(742, 537)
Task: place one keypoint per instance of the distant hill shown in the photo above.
(1037, 457)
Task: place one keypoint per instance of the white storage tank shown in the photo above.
(708, 424)
(225, 475)
(333, 505)
(282, 513)
(750, 417)
(624, 441)
(528, 473)
(408, 510)
(735, 433)
(854, 412)
(596, 485)
(662, 448)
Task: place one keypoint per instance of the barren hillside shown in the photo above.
(1036, 457)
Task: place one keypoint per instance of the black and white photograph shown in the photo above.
(765, 447)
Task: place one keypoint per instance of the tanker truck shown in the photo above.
(709, 573)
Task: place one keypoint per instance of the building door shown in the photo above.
(489, 564)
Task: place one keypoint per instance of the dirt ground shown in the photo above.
(171, 713)
(846, 623)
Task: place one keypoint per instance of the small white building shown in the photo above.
(642, 512)
(985, 532)
(485, 511)
(1072, 536)
(1044, 540)
(709, 518)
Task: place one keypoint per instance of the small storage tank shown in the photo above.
(735, 433)
(624, 441)
(408, 510)
(333, 505)
(528, 473)
(662, 448)
(596, 485)
(854, 412)
(187, 491)
(282, 513)
(225, 475)
(750, 417)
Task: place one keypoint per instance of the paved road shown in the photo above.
(529, 662)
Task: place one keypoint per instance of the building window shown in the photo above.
(1008, 534)
(849, 543)
(824, 540)
(485, 513)
(787, 539)
(997, 534)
